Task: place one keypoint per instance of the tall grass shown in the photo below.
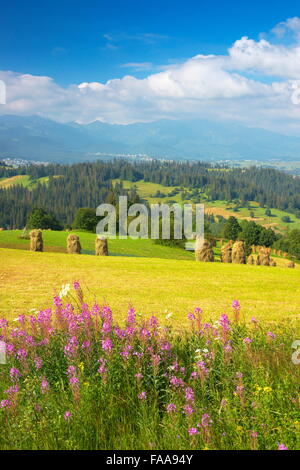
(75, 379)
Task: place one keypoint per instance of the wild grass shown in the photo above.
(76, 378)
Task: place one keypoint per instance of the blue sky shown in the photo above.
(75, 41)
(132, 61)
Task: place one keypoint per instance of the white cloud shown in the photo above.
(291, 25)
(254, 83)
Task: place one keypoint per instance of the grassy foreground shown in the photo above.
(76, 379)
(153, 286)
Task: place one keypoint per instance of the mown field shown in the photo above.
(152, 285)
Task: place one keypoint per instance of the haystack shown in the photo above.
(101, 247)
(226, 253)
(204, 252)
(36, 240)
(273, 262)
(239, 253)
(263, 258)
(73, 244)
(250, 260)
(291, 264)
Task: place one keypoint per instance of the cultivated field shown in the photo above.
(153, 286)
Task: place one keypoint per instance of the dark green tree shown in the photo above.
(232, 228)
(86, 219)
(39, 218)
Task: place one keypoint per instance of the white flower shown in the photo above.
(64, 290)
(169, 316)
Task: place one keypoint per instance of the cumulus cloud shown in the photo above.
(256, 82)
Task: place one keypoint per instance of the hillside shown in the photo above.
(37, 138)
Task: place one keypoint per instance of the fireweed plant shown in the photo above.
(75, 379)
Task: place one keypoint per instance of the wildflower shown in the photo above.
(188, 410)
(12, 390)
(64, 290)
(282, 447)
(189, 394)
(71, 371)
(236, 308)
(14, 373)
(107, 344)
(236, 305)
(44, 386)
(191, 316)
(192, 431)
(74, 381)
(38, 362)
(131, 316)
(176, 382)
(206, 420)
(171, 407)
(153, 322)
(139, 375)
(271, 335)
(142, 396)
(5, 404)
(247, 340)
(76, 285)
(67, 415)
(57, 301)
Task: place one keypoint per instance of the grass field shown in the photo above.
(56, 241)
(152, 285)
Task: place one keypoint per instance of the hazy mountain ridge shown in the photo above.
(37, 138)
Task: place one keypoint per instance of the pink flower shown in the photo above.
(189, 394)
(67, 415)
(282, 447)
(5, 404)
(171, 407)
(107, 344)
(247, 340)
(188, 410)
(236, 305)
(192, 431)
(142, 396)
(44, 386)
(206, 420)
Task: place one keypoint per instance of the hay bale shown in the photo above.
(263, 258)
(291, 264)
(250, 260)
(226, 253)
(239, 253)
(273, 262)
(204, 252)
(101, 246)
(73, 244)
(36, 240)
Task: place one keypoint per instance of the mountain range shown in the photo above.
(37, 138)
